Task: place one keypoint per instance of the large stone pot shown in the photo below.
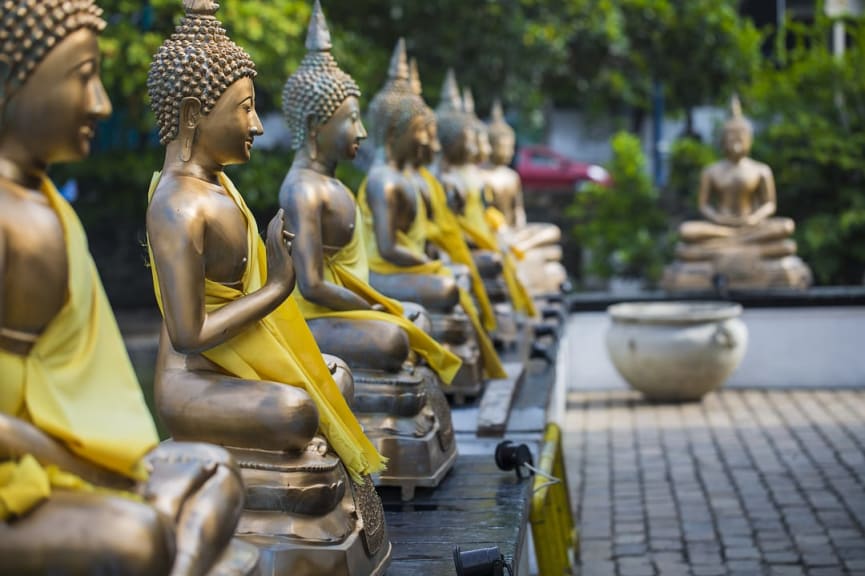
(676, 351)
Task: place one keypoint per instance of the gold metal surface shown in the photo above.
(182, 522)
(740, 237)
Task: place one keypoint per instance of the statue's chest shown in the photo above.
(339, 221)
(738, 181)
(225, 240)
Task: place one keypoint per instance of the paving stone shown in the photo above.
(746, 482)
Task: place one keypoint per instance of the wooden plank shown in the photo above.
(496, 403)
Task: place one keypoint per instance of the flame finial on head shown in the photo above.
(399, 69)
(414, 77)
(201, 7)
(318, 35)
(498, 126)
(468, 101)
(735, 107)
(450, 97)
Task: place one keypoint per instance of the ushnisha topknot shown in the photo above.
(469, 110)
(417, 88)
(199, 60)
(737, 119)
(318, 87)
(396, 105)
(451, 119)
(498, 128)
(29, 29)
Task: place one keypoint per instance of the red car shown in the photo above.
(541, 168)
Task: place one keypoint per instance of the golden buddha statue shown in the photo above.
(462, 134)
(84, 487)
(740, 240)
(399, 404)
(237, 364)
(540, 269)
(395, 224)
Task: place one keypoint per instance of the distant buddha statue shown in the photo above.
(462, 134)
(740, 240)
(540, 268)
(237, 364)
(84, 486)
(395, 222)
(349, 317)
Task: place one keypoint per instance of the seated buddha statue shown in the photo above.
(84, 486)
(395, 227)
(540, 268)
(740, 239)
(237, 364)
(459, 132)
(399, 403)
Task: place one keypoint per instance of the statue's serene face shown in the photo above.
(736, 142)
(226, 134)
(503, 150)
(429, 152)
(410, 144)
(340, 137)
(484, 146)
(52, 117)
(470, 142)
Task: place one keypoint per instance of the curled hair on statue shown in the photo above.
(29, 29)
(198, 61)
(316, 90)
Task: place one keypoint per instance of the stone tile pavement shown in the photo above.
(746, 482)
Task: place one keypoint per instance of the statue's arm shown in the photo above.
(382, 200)
(2, 272)
(303, 210)
(705, 202)
(176, 233)
(519, 203)
(767, 195)
(18, 438)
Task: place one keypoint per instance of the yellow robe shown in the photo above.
(476, 227)
(76, 384)
(349, 268)
(280, 348)
(415, 240)
(443, 230)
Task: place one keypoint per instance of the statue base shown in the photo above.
(407, 418)
(306, 517)
(456, 333)
(742, 269)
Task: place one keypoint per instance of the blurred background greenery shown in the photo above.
(603, 57)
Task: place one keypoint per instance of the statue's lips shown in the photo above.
(88, 131)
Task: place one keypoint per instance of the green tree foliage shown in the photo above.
(608, 52)
(622, 226)
(688, 158)
(812, 112)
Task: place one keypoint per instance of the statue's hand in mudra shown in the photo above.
(280, 266)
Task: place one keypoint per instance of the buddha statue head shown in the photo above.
(201, 91)
(429, 152)
(738, 134)
(481, 135)
(455, 129)
(502, 137)
(51, 96)
(321, 102)
(399, 114)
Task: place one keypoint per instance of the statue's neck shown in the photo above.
(198, 166)
(323, 166)
(26, 173)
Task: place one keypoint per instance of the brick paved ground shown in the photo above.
(746, 482)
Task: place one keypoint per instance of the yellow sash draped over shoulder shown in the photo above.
(477, 229)
(280, 348)
(443, 230)
(348, 267)
(415, 240)
(77, 383)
